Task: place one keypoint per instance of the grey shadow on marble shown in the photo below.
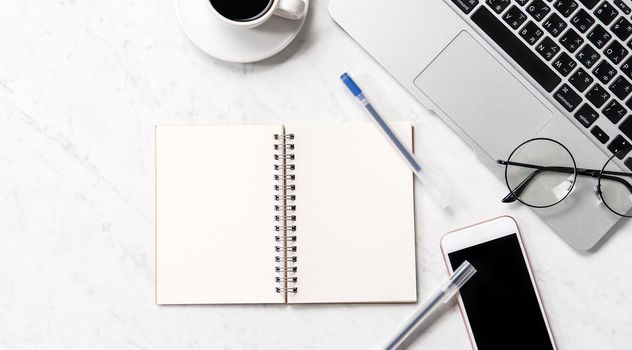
(426, 325)
(301, 42)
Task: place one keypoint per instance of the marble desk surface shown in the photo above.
(82, 84)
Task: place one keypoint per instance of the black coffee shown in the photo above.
(242, 11)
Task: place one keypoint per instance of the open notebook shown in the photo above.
(283, 214)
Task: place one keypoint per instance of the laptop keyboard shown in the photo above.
(576, 50)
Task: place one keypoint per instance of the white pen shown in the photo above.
(437, 188)
(447, 290)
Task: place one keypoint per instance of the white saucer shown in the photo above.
(235, 44)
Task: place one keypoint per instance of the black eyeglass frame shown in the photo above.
(600, 174)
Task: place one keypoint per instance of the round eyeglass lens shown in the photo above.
(541, 173)
(615, 183)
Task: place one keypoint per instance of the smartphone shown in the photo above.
(500, 305)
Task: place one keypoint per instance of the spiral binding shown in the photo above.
(285, 218)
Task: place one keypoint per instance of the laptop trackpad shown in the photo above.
(482, 97)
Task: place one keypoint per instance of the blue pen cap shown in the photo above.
(351, 85)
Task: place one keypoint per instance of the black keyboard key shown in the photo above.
(622, 6)
(616, 52)
(571, 40)
(564, 64)
(516, 49)
(626, 67)
(547, 48)
(600, 134)
(628, 163)
(589, 3)
(586, 115)
(582, 21)
(522, 2)
(588, 56)
(498, 5)
(626, 127)
(621, 87)
(581, 80)
(565, 7)
(531, 32)
(554, 25)
(568, 98)
(597, 95)
(538, 9)
(619, 146)
(599, 36)
(614, 111)
(629, 103)
(622, 28)
(606, 13)
(604, 72)
(514, 17)
(465, 5)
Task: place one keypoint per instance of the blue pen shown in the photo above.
(439, 191)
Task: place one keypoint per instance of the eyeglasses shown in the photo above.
(541, 173)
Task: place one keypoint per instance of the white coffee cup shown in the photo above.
(290, 9)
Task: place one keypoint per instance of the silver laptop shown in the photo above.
(500, 72)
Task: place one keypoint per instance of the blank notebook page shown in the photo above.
(355, 215)
(215, 215)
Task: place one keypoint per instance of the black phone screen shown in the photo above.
(500, 300)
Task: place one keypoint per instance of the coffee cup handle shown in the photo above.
(290, 9)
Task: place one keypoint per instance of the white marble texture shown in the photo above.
(83, 82)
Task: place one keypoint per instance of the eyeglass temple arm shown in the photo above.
(513, 196)
(517, 192)
(568, 170)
